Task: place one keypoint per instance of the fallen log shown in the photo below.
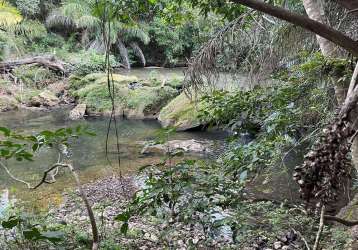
(46, 61)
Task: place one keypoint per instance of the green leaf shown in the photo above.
(243, 175)
(11, 223)
(5, 131)
(122, 217)
(124, 228)
(32, 234)
(53, 236)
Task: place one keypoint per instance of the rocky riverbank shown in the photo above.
(109, 198)
(135, 98)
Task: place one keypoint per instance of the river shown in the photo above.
(88, 153)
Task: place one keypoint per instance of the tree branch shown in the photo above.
(342, 221)
(320, 229)
(318, 28)
(95, 234)
(353, 82)
(13, 177)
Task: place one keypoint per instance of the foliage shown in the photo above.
(23, 147)
(88, 62)
(9, 15)
(28, 233)
(35, 76)
(28, 8)
(177, 41)
(87, 16)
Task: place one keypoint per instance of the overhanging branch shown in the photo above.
(318, 28)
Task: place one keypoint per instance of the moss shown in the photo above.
(138, 103)
(181, 113)
(26, 96)
(150, 99)
(78, 82)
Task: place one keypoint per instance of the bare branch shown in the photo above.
(353, 82)
(13, 177)
(320, 229)
(342, 221)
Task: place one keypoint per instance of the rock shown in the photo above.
(132, 100)
(181, 113)
(8, 103)
(58, 88)
(277, 245)
(191, 146)
(135, 85)
(195, 240)
(45, 98)
(78, 112)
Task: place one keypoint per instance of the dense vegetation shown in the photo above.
(291, 117)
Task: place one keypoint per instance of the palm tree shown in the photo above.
(78, 15)
(9, 15)
(14, 28)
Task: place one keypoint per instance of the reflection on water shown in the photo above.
(225, 81)
(88, 153)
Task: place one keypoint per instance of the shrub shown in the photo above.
(88, 62)
(35, 76)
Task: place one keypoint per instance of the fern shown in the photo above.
(9, 15)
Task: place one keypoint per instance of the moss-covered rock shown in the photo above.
(181, 113)
(8, 103)
(137, 103)
(78, 82)
(45, 99)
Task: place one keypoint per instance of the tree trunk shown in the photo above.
(316, 27)
(47, 61)
(315, 11)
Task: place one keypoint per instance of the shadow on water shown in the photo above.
(88, 153)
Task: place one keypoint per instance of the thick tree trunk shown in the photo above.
(315, 11)
(47, 61)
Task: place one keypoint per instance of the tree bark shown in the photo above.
(318, 28)
(47, 61)
(315, 11)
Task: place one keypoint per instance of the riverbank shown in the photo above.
(110, 197)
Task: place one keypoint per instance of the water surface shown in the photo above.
(88, 154)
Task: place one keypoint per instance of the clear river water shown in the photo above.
(88, 153)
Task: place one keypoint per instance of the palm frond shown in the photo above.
(138, 52)
(135, 33)
(9, 15)
(123, 51)
(31, 28)
(88, 22)
(57, 19)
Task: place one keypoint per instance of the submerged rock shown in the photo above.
(181, 113)
(190, 146)
(78, 112)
